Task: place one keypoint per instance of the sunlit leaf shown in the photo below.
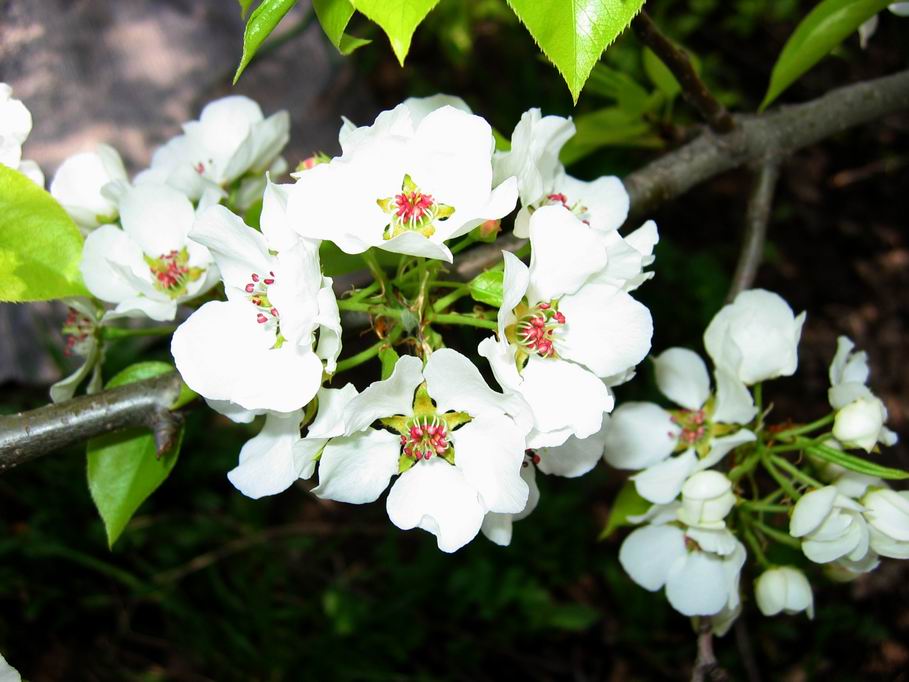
(488, 287)
(627, 503)
(334, 15)
(260, 25)
(398, 18)
(610, 126)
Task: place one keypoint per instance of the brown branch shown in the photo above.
(705, 665)
(694, 90)
(27, 435)
(757, 217)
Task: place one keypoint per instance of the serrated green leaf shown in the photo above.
(334, 15)
(389, 358)
(123, 468)
(825, 27)
(398, 18)
(627, 503)
(858, 464)
(488, 287)
(260, 25)
(244, 7)
(574, 33)
(40, 245)
(610, 126)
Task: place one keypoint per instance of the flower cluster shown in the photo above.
(696, 472)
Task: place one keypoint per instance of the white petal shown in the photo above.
(267, 462)
(648, 554)
(274, 220)
(238, 249)
(498, 528)
(639, 435)
(78, 182)
(605, 200)
(385, 398)
(720, 447)
(734, 403)
(811, 511)
(435, 496)
(605, 329)
(514, 286)
(662, 483)
(232, 411)
(156, 217)
(332, 401)
(356, 469)
(576, 456)
(490, 452)
(696, 586)
(682, 377)
(105, 245)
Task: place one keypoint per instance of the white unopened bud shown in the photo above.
(859, 424)
(784, 589)
(707, 498)
(887, 512)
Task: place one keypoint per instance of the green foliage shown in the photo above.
(334, 15)
(40, 245)
(335, 262)
(609, 126)
(488, 287)
(388, 357)
(260, 25)
(123, 468)
(825, 27)
(574, 33)
(398, 18)
(244, 7)
(859, 464)
(627, 503)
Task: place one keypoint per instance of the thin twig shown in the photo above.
(757, 217)
(694, 90)
(705, 665)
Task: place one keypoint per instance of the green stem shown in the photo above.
(752, 541)
(783, 482)
(368, 353)
(745, 467)
(360, 294)
(795, 472)
(120, 333)
(447, 300)
(806, 428)
(453, 318)
(463, 244)
(762, 507)
(373, 264)
(371, 308)
(778, 535)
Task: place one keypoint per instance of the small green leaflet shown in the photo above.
(488, 287)
(40, 245)
(398, 18)
(334, 15)
(610, 126)
(574, 33)
(389, 358)
(627, 503)
(123, 468)
(260, 25)
(825, 27)
(862, 466)
(244, 7)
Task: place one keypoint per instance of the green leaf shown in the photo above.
(610, 126)
(398, 18)
(40, 245)
(488, 287)
(389, 358)
(123, 468)
(260, 25)
(862, 466)
(574, 33)
(627, 503)
(613, 84)
(825, 27)
(334, 15)
(244, 7)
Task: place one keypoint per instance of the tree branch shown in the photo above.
(756, 218)
(27, 435)
(694, 90)
(705, 665)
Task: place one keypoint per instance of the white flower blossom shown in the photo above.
(783, 589)
(88, 185)
(15, 126)
(707, 499)
(830, 525)
(860, 415)
(755, 337)
(457, 445)
(150, 266)
(561, 332)
(263, 348)
(887, 513)
(669, 446)
(404, 185)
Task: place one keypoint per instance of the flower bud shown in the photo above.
(831, 526)
(887, 512)
(707, 498)
(784, 589)
(859, 424)
(487, 231)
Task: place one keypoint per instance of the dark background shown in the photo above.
(208, 585)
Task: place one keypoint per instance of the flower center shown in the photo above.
(266, 315)
(78, 331)
(535, 329)
(694, 425)
(425, 437)
(412, 210)
(172, 273)
(560, 199)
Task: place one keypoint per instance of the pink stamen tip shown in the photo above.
(261, 319)
(538, 322)
(536, 458)
(560, 318)
(255, 277)
(250, 288)
(268, 281)
(274, 312)
(543, 306)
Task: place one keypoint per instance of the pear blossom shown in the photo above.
(15, 125)
(88, 184)
(263, 348)
(457, 445)
(783, 589)
(707, 498)
(231, 138)
(498, 526)
(561, 333)
(887, 513)
(406, 184)
(150, 266)
(699, 568)
(669, 446)
(755, 337)
(860, 415)
(830, 525)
